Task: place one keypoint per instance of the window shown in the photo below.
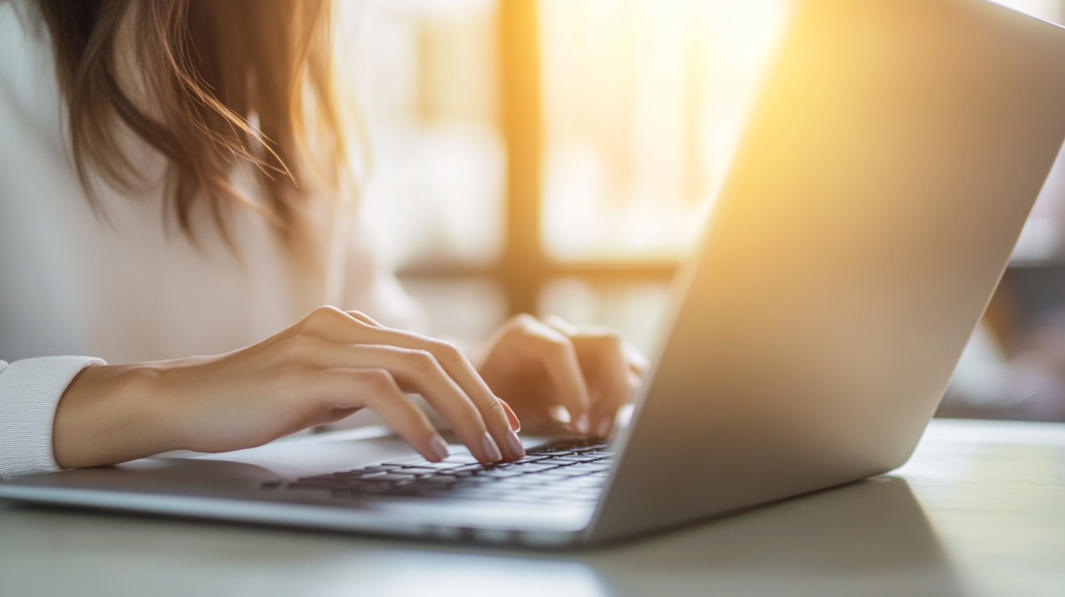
(643, 104)
(549, 157)
(425, 76)
(558, 156)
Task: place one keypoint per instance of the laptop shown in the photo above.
(882, 181)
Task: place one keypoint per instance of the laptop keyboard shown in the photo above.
(565, 471)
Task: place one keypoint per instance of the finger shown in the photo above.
(605, 358)
(635, 381)
(339, 327)
(343, 389)
(364, 318)
(558, 357)
(612, 364)
(637, 363)
(413, 370)
(561, 325)
(515, 424)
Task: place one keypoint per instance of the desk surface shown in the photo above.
(979, 510)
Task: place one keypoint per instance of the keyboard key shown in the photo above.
(439, 479)
(465, 469)
(310, 485)
(378, 468)
(527, 481)
(411, 470)
(500, 474)
(580, 483)
(417, 461)
(478, 479)
(563, 471)
(580, 458)
(353, 475)
(531, 458)
(433, 466)
(534, 468)
(354, 492)
(392, 477)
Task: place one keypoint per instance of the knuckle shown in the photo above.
(524, 320)
(362, 318)
(317, 318)
(378, 381)
(446, 352)
(422, 361)
(328, 315)
(606, 339)
(326, 312)
(559, 346)
(527, 325)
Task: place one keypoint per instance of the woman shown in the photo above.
(172, 183)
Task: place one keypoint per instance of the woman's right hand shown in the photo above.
(320, 370)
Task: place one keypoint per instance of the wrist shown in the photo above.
(110, 414)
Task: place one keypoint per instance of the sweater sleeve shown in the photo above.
(30, 390)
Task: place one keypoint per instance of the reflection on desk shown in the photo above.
(978, 511)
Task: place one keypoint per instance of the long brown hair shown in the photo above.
(223, 84)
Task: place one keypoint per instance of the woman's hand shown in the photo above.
(320, 370)
(538, 366)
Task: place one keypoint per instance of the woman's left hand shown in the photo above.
(538, 366)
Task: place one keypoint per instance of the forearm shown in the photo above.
(112, 414)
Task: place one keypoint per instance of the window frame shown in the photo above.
(524, 268)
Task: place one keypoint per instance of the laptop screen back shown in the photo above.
(879, 189)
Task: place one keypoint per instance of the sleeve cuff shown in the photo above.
(30, 390)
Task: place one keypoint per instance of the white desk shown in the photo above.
(980, 510)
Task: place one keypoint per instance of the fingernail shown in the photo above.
(604, 427)
(438, 447)
(514, 444)
(582, 423)
(490, 448)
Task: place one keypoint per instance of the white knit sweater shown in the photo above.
(125, 288)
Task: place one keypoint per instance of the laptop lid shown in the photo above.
(882, 182)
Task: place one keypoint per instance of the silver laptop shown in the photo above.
(882, 182)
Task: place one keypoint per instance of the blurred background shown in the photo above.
(558, 156)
